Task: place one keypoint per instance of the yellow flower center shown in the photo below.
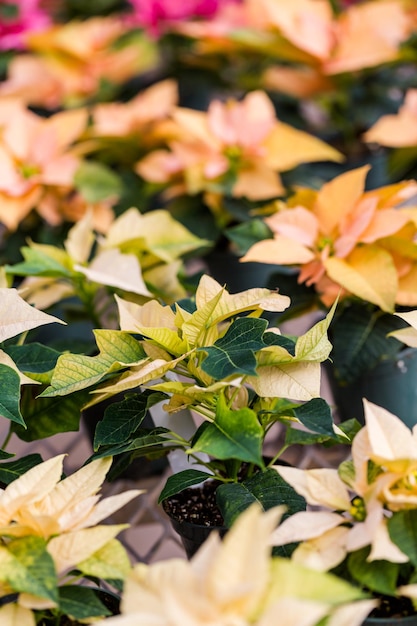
(28, 170)
(358, 509)
(324, 242)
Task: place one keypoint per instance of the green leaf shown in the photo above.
(290, 579)
(359, 336)
(45, 417)
(14, 469)
(246, 234)
(234, 353)
(314, 345)
(97, 182)
(121, 419)
(316, 416)
(402, 528)
(144, 443)
(33, 357)
(5, 455)
(27, 567)
(272, 339)
(38, 263)
(81, 603)
(180, 481)
(117, 349)
(379, 576)
(267, 488)
(294, 436)
(111, 562)
(10, 395)
(234, 434)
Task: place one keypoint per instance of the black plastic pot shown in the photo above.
(409, 620)
(194, 515)
(194, 535)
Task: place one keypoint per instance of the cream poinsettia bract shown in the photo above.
(235, 581)
(64, 512)
(355, 502)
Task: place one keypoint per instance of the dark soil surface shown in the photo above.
(195, 505)
(393, 607)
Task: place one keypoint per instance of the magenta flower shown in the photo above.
(18, 18)
(154, 15)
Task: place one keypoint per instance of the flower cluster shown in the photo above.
(364, 510)
(18, 19)
(343, 237)
(208, 151)
(56, 523)
(237, 582)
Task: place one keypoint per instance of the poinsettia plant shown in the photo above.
(332, 65)
(362, 526)
(237, 581)
(344, 241)
(207, 164)
(215, 356)
(51, 541)
(141, 256)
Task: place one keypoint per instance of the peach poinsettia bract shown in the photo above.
(236, 147)
(397, 130)
(342, 237)
(36, 159)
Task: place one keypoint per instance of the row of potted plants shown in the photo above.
(137, 139)
(237, 413)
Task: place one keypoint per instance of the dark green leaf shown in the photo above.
(5, 455)
(81, 603)
(143, 444)
(359, 337)
(267, 488)
(379, 576)
(45, 417)
(14, 469)
(10, 395)
(123, 418)
(294, 436)
(402, 528)
(33, 357)
(350, 427)
(182, 480)
(234, 434)
(316, 416)
(234, 353)
(248, 233)
(272, 339)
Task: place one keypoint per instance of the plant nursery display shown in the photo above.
(140, 142)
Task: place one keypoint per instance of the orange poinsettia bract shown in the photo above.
(343, 237)
(35, 158)
(237, 147)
